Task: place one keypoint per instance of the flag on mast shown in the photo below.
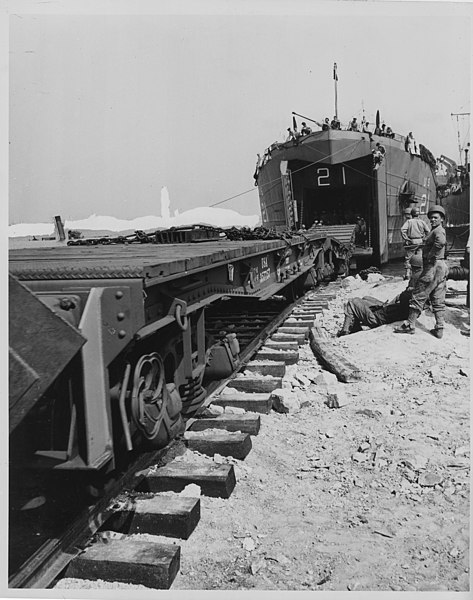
(335, 76)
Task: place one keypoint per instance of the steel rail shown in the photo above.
(40, 570)
(46, 564)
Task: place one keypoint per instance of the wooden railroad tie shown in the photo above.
(128, 561)
(294, 330)
(213, 480)
(288, 337)
(173, 516)
(315, 306)
(259, 403)
(280, 345)
(256, 384)
(225, 443)
(267, 367)
(246, 423)
(303, 315)
(289, 357)
(299, 323)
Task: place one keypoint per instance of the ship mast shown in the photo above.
(458, 131)
(335, 80)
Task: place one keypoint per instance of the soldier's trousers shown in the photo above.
(432, 284)
(359, 311)
(409, 253)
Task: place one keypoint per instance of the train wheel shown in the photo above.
(155, 405)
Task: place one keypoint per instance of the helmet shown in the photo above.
(414, 211)
(436, 208)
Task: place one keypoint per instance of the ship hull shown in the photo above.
(328, 176)
(457, 209)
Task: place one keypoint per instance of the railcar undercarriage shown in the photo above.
(113, 353)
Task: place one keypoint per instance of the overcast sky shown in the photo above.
(106, 109)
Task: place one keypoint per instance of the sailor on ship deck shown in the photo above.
(305, 129)
(353, 125)
(335, 124)
(366, 129)
(410, 144)
(291, 136)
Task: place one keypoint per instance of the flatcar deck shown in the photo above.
(146, 261)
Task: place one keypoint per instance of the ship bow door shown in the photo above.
(289, 202)
(380, 240)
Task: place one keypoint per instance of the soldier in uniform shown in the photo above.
(413, 233)
(432, 282)
(373, 313)
(360, 232)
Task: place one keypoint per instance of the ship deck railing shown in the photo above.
(300, 138)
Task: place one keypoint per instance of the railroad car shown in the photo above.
(109, 348)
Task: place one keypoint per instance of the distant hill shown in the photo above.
(97, 225)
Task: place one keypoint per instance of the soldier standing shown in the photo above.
(360, 232)
(413, 233)
(432, 282)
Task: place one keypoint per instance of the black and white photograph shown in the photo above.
(238, 312)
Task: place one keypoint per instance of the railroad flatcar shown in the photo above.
(109, 347)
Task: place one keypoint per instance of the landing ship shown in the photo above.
(324, 180)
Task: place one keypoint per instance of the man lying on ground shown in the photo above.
(373, 312)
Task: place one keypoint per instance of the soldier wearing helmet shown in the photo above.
(432, 282)
(413, 232)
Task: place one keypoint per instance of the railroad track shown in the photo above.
(269, 334)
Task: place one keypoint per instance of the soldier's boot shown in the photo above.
(409, 326)
(437, 331)
(346, 327)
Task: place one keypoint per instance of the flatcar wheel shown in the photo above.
(147, 398)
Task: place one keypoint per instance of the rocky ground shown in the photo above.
(373, 495)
